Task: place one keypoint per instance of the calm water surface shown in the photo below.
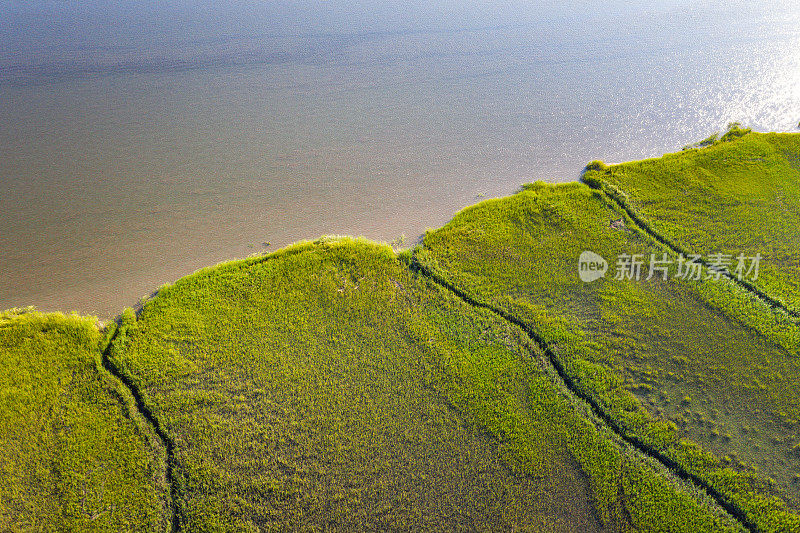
(128, 160)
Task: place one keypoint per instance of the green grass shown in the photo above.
(74, 456)
(741, 194)
(328, 387)
(641, 347)
(337, 385)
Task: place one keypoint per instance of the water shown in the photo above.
(141, 145)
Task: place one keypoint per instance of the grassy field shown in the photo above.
(328, 387)
(676, 362)
(471, 383)
(740, 194)
(74, 455)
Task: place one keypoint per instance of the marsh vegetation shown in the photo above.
(471, 382)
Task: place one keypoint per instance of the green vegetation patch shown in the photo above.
(674, 362)
(335, 385)
(74, 455)
(328, 386)
(738, 195)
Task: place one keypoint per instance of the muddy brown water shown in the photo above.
(126, 165)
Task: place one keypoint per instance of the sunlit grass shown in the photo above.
(327, 386)
(669, 360)
(73, 455)
(335, 385)
(741, 194)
